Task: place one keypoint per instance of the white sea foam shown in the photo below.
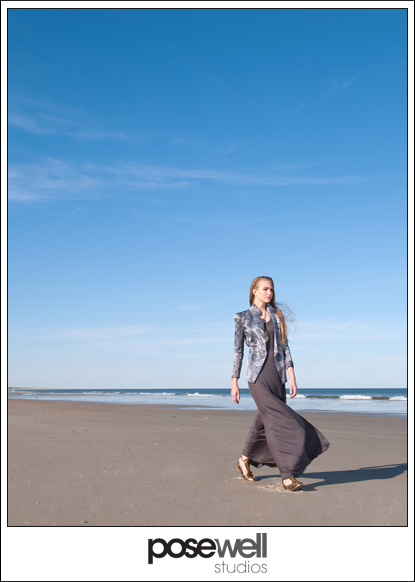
(204, 395)
(301, 396)
(355, 397)
(398, 398)
(154, 393)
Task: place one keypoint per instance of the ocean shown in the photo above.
(382, 401)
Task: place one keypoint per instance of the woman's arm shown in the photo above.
(238, 352)
(237, 357)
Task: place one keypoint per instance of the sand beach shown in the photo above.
(89, 464)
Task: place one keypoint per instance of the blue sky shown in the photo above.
(161, 159)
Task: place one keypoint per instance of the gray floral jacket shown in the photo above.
(250, 327)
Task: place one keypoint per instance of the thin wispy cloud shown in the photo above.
(50, 119)
(52, 179)
(45, 118)
(336, 86)
(330, 89)
(72, 212)
(165, 174)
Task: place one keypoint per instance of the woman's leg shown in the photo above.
(256, 434)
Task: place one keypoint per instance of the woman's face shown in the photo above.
(264, 291)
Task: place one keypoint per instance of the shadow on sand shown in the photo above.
(350, 476)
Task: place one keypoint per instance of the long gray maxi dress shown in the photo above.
(279, 437)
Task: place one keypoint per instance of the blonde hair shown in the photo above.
(288, 315)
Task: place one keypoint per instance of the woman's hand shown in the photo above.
(293, 388)
(235, 391)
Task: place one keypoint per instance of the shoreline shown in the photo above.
(161, 465)
(211, 408)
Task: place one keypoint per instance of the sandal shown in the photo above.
(294, 486)
(248, 476)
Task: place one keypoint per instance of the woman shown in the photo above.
(278, 437)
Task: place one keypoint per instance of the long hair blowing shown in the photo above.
(281, 309)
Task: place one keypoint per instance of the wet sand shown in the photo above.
(87, 464)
